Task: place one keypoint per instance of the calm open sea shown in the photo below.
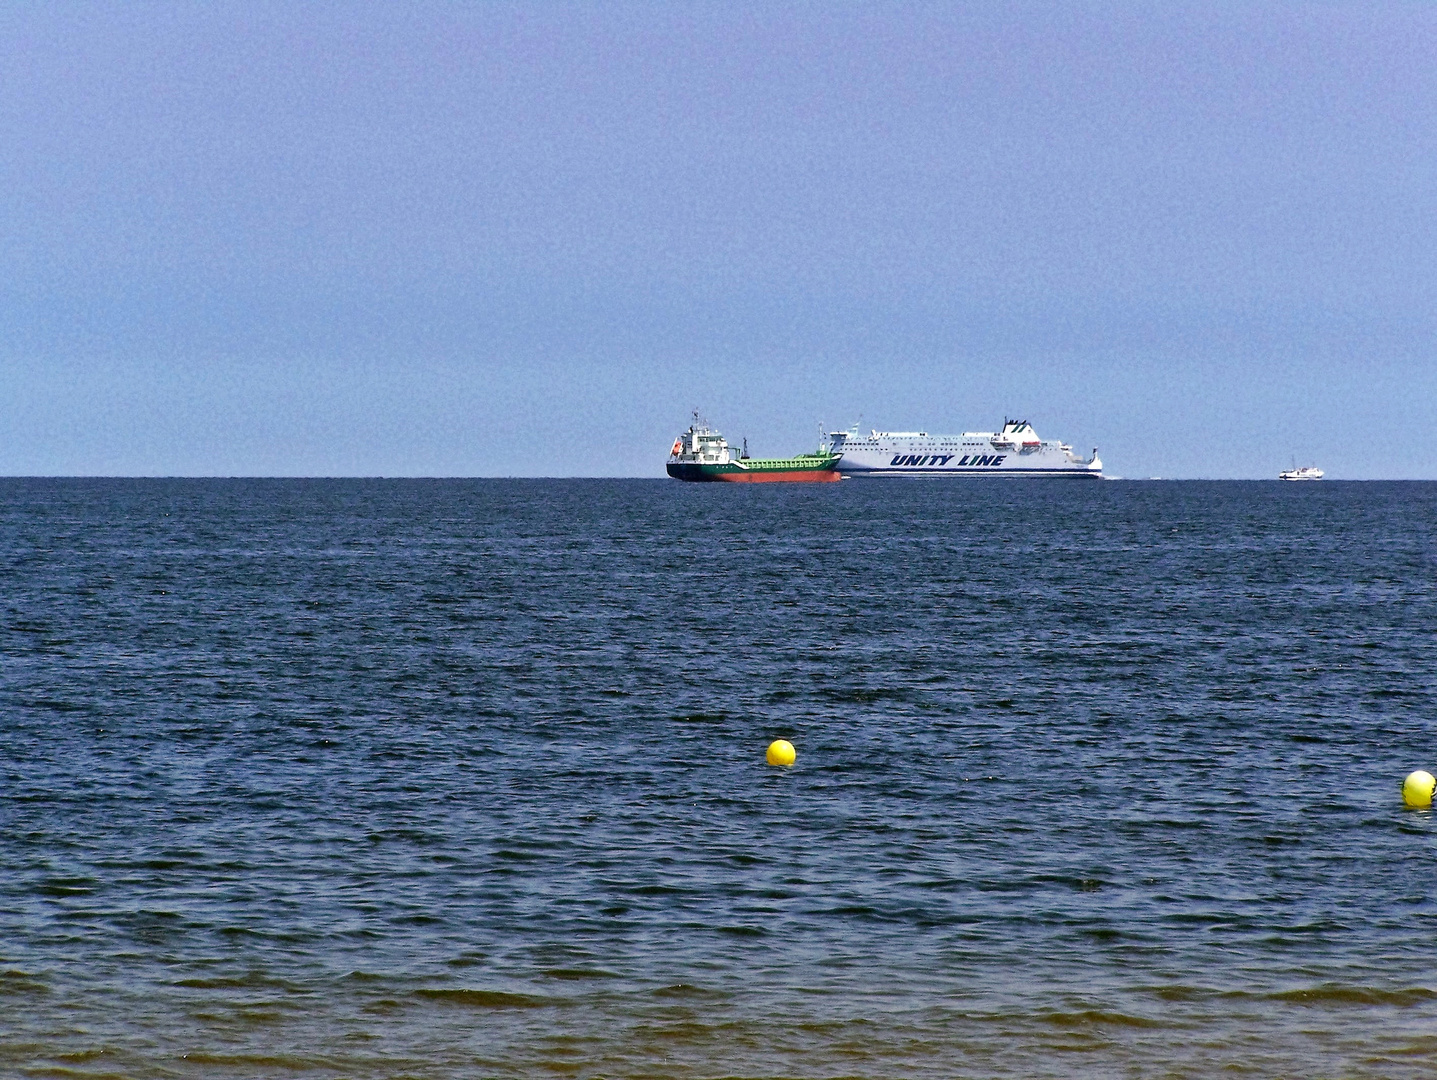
(444, 779)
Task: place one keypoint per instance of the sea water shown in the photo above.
(466, 778)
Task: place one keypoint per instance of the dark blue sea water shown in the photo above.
(466, 778)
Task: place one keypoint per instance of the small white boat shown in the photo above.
(1307, 472)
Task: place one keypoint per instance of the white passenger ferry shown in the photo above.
(1307, 472)
(1014, 451)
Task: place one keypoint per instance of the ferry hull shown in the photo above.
(983, 474)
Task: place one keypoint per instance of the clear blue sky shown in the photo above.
(491, 239)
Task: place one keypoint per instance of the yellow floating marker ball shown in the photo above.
(1417, 788)
(781, 752)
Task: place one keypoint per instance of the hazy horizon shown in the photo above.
(527, 240)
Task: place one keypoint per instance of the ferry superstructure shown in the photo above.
(1015, 451)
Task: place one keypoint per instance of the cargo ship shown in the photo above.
(702, 454)
(1015, 451)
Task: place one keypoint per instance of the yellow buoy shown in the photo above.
(1416, 789)
(781, 752)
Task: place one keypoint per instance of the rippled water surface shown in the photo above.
(463, 779)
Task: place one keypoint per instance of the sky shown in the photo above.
(489, 239)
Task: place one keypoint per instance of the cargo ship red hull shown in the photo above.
(732, 474)
(794, 476)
